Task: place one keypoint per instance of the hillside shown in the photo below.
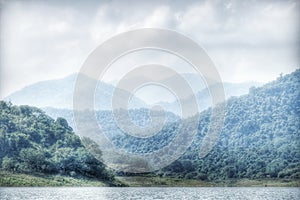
(33, 143)
(260, 138)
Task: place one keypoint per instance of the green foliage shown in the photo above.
(9, 179)
(260, 138)
(9, 164)
(32, 142)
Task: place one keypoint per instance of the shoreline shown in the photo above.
(141, 181)
(8, 179)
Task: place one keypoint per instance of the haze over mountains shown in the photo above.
(58, 93)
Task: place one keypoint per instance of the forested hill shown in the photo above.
(260, 139)
(32, 142)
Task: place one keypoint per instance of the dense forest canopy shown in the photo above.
(260, 138)
(32, 142)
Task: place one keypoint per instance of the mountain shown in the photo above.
(32, 142)
(231, 89)
(59, 94)
(260, 137)
(203, 96)
(199, 88)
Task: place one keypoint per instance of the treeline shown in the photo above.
(32, 142)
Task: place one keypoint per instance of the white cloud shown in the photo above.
(248, 40)
(200, 16)
(161, 17)
(38, 42)
(102, 28)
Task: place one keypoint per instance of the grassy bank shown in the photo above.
(142, 181)
(8, 179)
(137, 181)
(259, 183)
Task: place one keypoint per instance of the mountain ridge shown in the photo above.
(58, 93)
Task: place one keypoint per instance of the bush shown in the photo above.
(9, 164)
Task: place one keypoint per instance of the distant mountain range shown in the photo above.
(58, 93)
(204, 98)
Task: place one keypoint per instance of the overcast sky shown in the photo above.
(247, 40)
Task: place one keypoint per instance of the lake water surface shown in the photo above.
(174, 193)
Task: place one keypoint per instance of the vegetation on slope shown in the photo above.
(33, 143)
(260, 138)
(9, 179)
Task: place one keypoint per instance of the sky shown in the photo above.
(247, 40)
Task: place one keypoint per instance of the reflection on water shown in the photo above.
(179, 193)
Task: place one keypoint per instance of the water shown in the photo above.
(180, 193)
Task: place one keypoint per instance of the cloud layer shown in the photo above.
(247, 40)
